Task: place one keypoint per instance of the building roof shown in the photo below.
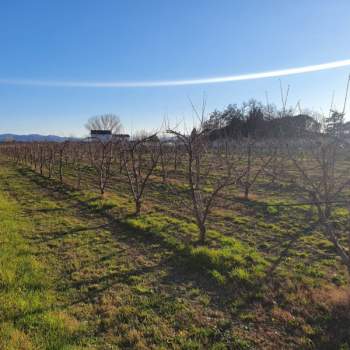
(101, 132)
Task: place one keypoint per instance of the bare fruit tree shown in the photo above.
(61, 150)
(208, 169)
(78, 152)
(101, 158)
(140, 157)
(256, 158)
(321, 168)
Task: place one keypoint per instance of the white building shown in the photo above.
(106, 136)
(101, 135)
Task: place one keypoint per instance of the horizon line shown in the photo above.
(184, 82)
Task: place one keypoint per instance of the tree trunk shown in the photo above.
(50, 170)
(175, 159)
(60, 169)
(138, 204)
(41, 162)
(102, 184)
(202, 232)
(78, 179)
(246, 192)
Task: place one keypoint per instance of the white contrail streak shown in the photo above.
(164, 83)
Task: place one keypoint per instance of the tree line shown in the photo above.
(256, 120)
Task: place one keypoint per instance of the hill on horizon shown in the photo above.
(34, 137)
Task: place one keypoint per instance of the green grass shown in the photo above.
(28, 316)
(104, 286)
(81, 271)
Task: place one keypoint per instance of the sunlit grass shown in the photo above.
(83, 270)
(27, 316)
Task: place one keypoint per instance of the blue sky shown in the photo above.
(162, 40)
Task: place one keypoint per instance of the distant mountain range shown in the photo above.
(34, 137)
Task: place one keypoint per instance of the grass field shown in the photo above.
(79, 272)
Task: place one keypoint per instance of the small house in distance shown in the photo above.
(101, 135)
(106, 136)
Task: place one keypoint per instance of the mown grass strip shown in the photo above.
(28, 316)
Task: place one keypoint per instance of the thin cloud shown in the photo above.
(165, 83)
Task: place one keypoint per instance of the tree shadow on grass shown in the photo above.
(177, 270)
(50, 236)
